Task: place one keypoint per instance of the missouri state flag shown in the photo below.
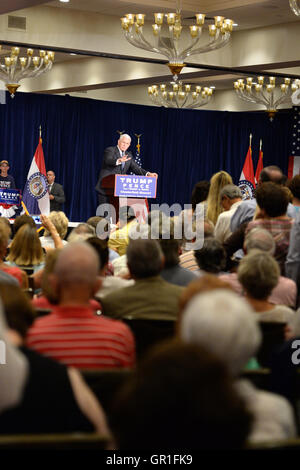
(247, 181)
(35, 194)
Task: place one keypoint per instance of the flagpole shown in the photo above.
(260, 145)
(250, 140)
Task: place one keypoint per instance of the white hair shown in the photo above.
(125, 135)
(225, 324)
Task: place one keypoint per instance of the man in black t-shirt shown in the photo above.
(6, 181)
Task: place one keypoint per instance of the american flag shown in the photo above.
(142, 216)
(294, 160)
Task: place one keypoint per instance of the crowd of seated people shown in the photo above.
(66, 307)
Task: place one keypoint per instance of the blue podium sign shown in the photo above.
(135, 186)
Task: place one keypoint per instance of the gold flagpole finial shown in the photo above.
(260, 144)
(250, 139)
(138, 146)
(120, 132)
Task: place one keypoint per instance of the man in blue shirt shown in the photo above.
(6, 181)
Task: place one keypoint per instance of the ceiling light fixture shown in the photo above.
(295, 7)
(171, 40)
(268, 95)
(12, 71)
(180, 96)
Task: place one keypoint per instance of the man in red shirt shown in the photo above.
(72, 333)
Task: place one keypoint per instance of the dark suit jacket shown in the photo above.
(59, 197)
(109, 167)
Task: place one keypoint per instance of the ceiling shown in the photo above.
(247, 13)
(252, 15)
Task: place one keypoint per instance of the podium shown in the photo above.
(129, 190)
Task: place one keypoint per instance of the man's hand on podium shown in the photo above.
(154, 175)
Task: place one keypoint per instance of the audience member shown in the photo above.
(109, 283)
(14, 271)
(285, 292)
(171, 247)
(223, 323)
(181, 397)
(246, 211)
(211, 258)
(22, 220)
(150, 296)
(292, 264)
(26, 249)
(81, 233)
(230, 198)
(102, 228)
(294, 187)
(203, 229)
(217, 182)
(60, 222)
(119, 239)
(259, 273)
(205, 283)
(272, 200)
(71, 333)
(68, 406)
(199, 196)
(14, 373)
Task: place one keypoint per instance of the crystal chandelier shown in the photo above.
(14, 70)
(268, 95)
(180, 96)
(295, 7)
(174, 42)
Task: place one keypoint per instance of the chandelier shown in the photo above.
(269, 95)
(180, 96)
(174, 42)
(14, 70)
(295, 7)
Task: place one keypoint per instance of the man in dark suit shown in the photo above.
(117, 160)
(56, 192)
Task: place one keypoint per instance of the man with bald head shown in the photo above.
(118, 160)
(71, 333)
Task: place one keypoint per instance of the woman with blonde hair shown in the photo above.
(217, 182)
(60, 222)
(26, 249)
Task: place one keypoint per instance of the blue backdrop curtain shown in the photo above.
(182, 146)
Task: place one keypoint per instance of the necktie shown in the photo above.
(123, 163)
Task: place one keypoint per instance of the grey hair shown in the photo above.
(144, 258)
(260, 239)
(258, 273)
(231, 191)
(124, 135)
(225, 324)
(84, 230)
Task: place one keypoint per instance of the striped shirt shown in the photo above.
(280, 229)
(187, 260)
(76, 337)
